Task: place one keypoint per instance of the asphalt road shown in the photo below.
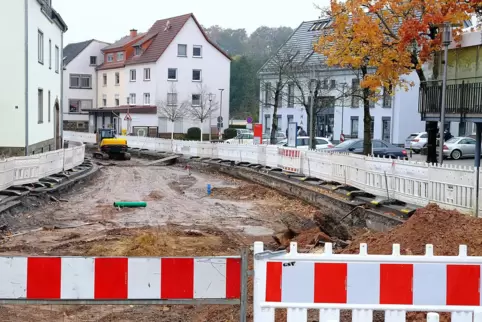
(465, 162)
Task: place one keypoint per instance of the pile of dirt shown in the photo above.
(309, 233)
(445, 229)
(247, 192)
(154, 195)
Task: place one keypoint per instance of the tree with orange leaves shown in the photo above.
(385, 40)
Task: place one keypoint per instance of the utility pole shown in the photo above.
(342, 109)
(446, 41)
(220, 119)
(312, 117)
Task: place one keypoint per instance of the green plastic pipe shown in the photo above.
(130, 204)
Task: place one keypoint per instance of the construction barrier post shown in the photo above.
(244, 285)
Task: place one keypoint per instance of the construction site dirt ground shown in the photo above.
(180, 220)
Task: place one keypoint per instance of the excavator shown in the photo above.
(111, 147)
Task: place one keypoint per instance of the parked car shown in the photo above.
(417, 141)
(458, 147)
(243, 138)
(303, 143)
(380, 148)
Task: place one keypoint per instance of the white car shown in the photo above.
(303, 142)
(417, 141)
(243, 138)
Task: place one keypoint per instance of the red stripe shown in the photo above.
(330, 283)
(233, 278)
(177, 278)
(463, 285)
(43, 277)
(396, 283)
(274, 271)
(111, 278)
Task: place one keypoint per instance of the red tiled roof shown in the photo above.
(122, 42)
(163, 39)
(111, 65)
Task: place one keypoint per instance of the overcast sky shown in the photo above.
(109, 20)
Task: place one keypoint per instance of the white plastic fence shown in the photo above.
(29, 169)
(412, 182)
(365, 283)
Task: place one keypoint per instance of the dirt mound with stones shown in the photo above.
(445, 229)
(244, 192)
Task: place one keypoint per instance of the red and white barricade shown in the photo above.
(290, 160)
(365, 283)
(120, 279)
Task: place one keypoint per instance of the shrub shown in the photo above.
(194, 134)
(237, 126)
(229, 133)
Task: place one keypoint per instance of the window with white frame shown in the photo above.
(77, 105)
(104, 79)
(57, 59)
(172, 73)
(110, 58)
(50, 53)
(117, 78)
(172, 99)
(147, 74)
(117, 100)
(132, 99)
(133, 75)
(182, 50)
(40, 106)
(197, 51)
(40, 41)
(104, 100)
(80, 81)
(147, 98)
(196, 99)
(196, 75)
(120, 56)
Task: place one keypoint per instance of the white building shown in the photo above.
(394, 117)
(32, 92)
(172, 63)
(80, 82)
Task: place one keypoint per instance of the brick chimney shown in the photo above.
(133, 33)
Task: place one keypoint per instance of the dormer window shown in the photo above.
(120, 56)
(137, 50)
(110, 58)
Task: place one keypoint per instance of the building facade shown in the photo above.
(338, 108)
(33, 90)
(80, 86)
(173, 64)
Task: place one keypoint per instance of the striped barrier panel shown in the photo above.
(89, 279)
(364, 283)
(289, 160)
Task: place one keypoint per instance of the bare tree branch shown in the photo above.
(200, 107)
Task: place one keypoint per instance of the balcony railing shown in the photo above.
(462, 97)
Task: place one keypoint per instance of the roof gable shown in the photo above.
(73, 50)
(162, 34)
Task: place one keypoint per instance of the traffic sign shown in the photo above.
(249, 120)
(220, 125)
(128, 117)
(220, 119)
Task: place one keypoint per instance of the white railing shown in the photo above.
(29, 169)
(412, 182)
(365, 283)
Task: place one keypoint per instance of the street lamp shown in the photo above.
(220, 120)
(342, 135)
(211, 96)
(312, 117)
(446, 41)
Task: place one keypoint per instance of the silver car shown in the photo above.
(458, 147)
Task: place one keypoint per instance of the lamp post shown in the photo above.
(210, 112)
(342, 135)
(312, 117)
(446, 41)
(220, 120)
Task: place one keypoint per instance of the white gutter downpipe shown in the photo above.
(26, 77)
(61, 101)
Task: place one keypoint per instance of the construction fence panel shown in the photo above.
(365, 283)
(27, 169)
(317, 165)
(410, 182)
(68, 155)
(7, 173)
(51, 162)
(290, 159)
